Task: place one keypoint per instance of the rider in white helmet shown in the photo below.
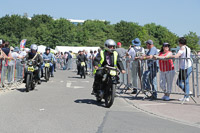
(109, 57)
(33, 54)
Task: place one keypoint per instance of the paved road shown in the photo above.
(64, 105)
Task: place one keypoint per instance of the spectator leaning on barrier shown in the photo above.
(149, 76)
(23, 53)
(19, 66)
(122, 54)
(185, 67)
(6, 52)
(136, 51)
(121, 51)
(166, 70)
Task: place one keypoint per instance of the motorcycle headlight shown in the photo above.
(30, 63)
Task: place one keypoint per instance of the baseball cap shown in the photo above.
(150, 42)
(119, 43)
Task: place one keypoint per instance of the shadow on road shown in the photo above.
(21, 89)
(75, 77)
(159, 100)
(90, 101)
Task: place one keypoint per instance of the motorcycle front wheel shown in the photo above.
(46, 74)
(28, 82)
(109, 96)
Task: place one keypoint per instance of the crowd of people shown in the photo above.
(135, 53)
(164, 65)
(156, 62)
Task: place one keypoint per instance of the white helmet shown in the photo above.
(34, 47)
(110, 42)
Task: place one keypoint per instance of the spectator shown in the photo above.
(23, 53)
(19, 66)
(69, 62)
(149, 76)
(95, 53)
(121, 51)
(136, 51)
(166, 71)
(122, 54)
(6, 52)
(185, 67)
(90, 62)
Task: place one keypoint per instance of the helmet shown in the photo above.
(34, 47)
(110, 42)
(47, 48)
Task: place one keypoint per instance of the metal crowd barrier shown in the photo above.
(12, 73)
(71, 64)
(136, 70)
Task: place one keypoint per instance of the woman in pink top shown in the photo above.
(166, 71)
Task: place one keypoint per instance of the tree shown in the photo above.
(192, 40)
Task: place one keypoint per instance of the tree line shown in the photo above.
(44, 30)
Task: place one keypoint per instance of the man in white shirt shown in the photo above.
(136, 68)
(185, 66)
(23, 53)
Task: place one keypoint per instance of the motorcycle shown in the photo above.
(47, 69)
(82, 70)
(107, 85)
(31, 79)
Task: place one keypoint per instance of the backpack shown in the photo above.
(138, 52)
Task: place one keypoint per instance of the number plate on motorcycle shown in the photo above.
(113, 73)
(47, 65)
(82, 63)
(31, 69)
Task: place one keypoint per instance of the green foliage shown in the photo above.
(192, 40)
(44, 30)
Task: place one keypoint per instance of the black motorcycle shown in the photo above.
(47, 69)
(82, 70)
(107, 85)
(30, 74)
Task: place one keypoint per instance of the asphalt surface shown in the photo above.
(64, 105)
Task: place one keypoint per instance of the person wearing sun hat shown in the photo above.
(136, 70)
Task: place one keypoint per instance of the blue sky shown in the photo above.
(179, 16)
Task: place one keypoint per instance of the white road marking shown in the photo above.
(61, 81)
(42, 109)
(72, 81)
(68, 85)
(153, 104)
(76, 87)
(85, 81)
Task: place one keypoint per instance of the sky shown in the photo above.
(179, 16)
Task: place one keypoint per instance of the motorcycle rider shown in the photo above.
(81, 58)
(34, 55)
(49, 56)
(109, 57)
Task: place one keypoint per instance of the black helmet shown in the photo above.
(47, 48)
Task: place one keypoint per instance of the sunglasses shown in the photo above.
(166, 46)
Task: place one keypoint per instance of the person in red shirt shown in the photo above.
(166, 71)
